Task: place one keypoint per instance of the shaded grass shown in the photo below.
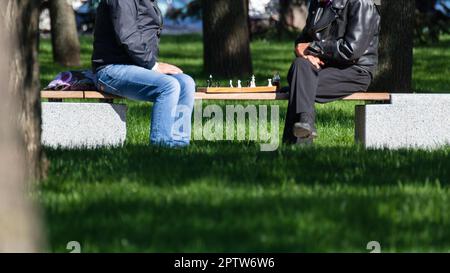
(221, 197)
(230, 197)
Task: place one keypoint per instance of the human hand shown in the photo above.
(300, 49)
(315, 61)
(168, 69)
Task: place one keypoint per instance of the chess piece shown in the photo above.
(239, 84)
(277, 81)
(209, 82)
(253, 82)
(231, 84)
(270, 83)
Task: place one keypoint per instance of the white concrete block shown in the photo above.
(410, 121)
(421, 99)
(83, 125)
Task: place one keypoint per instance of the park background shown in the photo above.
(229, 196)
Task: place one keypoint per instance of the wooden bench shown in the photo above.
(97, 124)
(62, 95)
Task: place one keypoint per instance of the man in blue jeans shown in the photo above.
(126, 45)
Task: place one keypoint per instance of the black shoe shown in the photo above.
(303, 130)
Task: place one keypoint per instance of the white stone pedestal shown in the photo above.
(83, 125)
(409, 121)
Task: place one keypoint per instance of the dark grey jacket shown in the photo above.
(344, 33)
(127, 32)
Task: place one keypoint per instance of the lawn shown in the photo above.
(230, 197)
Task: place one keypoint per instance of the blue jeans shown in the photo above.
(172, 95)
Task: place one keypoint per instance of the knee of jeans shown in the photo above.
(170, 86)
(187, 81)
(187, 84)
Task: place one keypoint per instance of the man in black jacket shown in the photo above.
(337, 54)
(125, 60)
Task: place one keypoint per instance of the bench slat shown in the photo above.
(384, 96)
(363, 96)
(98, 95)
(62, 94)
(76, 95)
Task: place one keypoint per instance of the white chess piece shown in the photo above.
(239, 84)
(253, 83)
(270, 83)
(231, 84)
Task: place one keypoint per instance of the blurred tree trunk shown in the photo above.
(226, 38)
(293, 14)
(20, 126)
(396, 46)
(66, 45)
(22, 22)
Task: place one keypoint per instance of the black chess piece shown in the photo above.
(209, 82)
(276, 81)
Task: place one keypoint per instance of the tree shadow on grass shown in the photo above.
(231, 197)
(296, 223)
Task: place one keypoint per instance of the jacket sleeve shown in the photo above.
(361, 27)
(124, 14)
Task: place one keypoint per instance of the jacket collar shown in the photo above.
(328, 14)
(339, 4)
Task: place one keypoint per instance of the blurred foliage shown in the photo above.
(192, 9)
(432, 19)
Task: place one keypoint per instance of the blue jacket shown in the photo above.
(127, 32)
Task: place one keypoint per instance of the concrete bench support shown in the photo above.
(409, 121)
(83, 125)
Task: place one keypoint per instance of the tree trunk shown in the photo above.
(396, 47)
(226, 38)
(66, 45)
(293, 14)
(20, 126)
(22, 22)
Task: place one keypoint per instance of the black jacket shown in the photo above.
(344, 33)
(127, 32)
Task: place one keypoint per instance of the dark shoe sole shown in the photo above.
(305, 141)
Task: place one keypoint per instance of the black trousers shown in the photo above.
(309, 85)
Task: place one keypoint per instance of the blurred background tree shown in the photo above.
(432, 18)
(66, 45)
(226, 38)
(396, 47)
(293, 14)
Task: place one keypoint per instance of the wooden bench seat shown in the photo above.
(61, 95)
(77, 124)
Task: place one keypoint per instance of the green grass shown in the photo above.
(230, 197)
